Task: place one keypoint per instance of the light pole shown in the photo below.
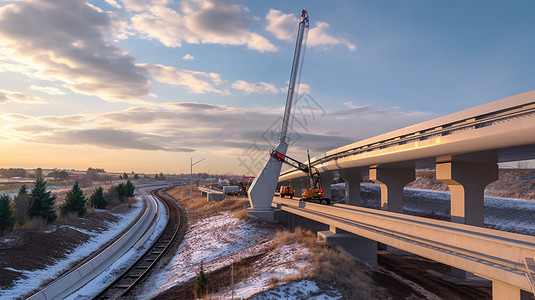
(191, 177)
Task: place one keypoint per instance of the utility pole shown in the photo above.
(191, 177)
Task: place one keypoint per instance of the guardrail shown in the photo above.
(489, 253)
(77, 278)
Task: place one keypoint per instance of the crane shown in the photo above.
(315, 191)
(263, 187)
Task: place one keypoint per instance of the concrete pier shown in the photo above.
(326, 181)
(504, 291)
(352, 182)
(360, 248)
(392, 182)
(467, 182)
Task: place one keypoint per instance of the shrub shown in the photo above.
(98, 199)
(74, 201)
(22, 204)
(202, 284)
(124, 190)
(7, 220)
(112, 196)
(43, 202)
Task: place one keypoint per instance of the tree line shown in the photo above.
(39, 203)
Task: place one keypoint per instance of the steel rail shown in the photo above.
(123, 285)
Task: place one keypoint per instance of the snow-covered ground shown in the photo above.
(217, 242)
(31, 280)
(506, 214)
(304, 289)
(92, 288)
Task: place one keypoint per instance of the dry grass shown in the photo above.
(331, 267)
(70, 216)
(37, 224)
(200, 208)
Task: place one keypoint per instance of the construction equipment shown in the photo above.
(286, 190)
(315, 192)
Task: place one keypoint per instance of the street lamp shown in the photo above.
(191, 177)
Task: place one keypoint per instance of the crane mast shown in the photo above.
(263, 186)
(293, 75)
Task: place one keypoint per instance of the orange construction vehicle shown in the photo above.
(286, 190)
(315, 192)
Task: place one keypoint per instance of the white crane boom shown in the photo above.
(264, 185)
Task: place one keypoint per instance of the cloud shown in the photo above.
(10, 96)
(188, 57)
(283, 26)
(48, 90)
(64, 41)
(211, 129)
(109, 138)
(198, 21)
(113, 3)
(257, 87)
(318, 36)
(139, 5)
(186, 78)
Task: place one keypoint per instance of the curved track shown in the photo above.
(129, 279)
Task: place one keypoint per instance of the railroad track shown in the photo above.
(129, 279)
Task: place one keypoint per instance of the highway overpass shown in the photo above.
(464, 148)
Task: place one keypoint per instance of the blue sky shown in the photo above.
(145, 85)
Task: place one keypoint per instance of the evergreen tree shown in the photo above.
(75, 200)
(136, 176)
(202, 284)
(98, 199)
(43, 202)
(125, 176)
(22, 204)
(7, 220)
(129, 189)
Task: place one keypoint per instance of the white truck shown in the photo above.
(222, 183)
(231, 190)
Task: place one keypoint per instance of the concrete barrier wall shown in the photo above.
(74, 280)
(149, 232)
(490, 253)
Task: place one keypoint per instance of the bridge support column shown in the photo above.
(326, 181)
(360, 248)
(467, 182)
(298, 185)
(392, 182)
(352, 182)
(504, 291)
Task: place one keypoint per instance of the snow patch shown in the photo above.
(219, 241)
(304, 289)
(32, 279)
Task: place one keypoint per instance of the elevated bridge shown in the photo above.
(464, 148)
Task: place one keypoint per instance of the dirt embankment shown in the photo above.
(28, 250)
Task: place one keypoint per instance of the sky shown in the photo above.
(150, 85)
